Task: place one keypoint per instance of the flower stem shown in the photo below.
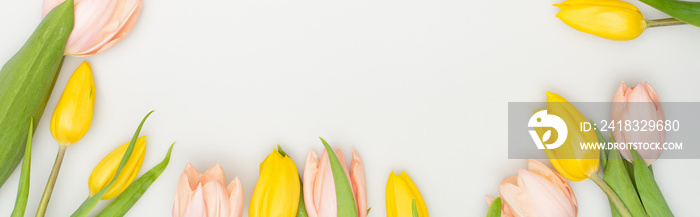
(621, 208)
(52, 181)
(664, 22)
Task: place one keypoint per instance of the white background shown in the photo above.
(420, 86)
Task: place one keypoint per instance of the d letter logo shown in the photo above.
(542, 119)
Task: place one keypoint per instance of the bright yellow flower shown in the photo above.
(569, 159)
(611, 19)
(73, 114)
(400, 192)
(278, 189)
(104, 171)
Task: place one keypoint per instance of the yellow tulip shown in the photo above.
(73, 114)
(103, 173)
(610, 19)
(278, 189)
(569, 159)
(400, 192)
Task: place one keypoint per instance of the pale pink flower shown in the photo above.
(206, 195)
(319, 185)
(537, 191)
(99, 24)
(639, 103)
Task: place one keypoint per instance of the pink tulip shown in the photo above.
(537, 191)
(319, 185)
(646, 108)
(206, 195)
(99, 24)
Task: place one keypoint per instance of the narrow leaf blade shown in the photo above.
(652, 198)
(343, 191)
(91, 202)
(23, 189)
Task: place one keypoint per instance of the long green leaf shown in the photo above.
(685, 11)
(301, 211)
(494, 208)
(415, 209)
(619, 181)
(343, 191)
(26, 81)
(91, 202)
(649, 191)
(23, 189)
(133, 193)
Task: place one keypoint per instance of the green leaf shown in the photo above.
(494, 208)
(301, 211)
(133, 193)
(414, 208)
(685, 11)
(603, 153)
(23, 189)
(91, 202)
(279, 150)
(26, 82)
(619, 181)
(343, 192)
(649, 191)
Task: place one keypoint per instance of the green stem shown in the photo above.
(52, 181)
(664, 22)
(621, 208)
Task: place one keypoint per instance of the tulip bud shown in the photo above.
(103, 173)
(278, 190)
(569, 159)
(553, 194)
(73, 114)
(207, 194)
(638, 103)
(610, 19)
(319, 185)
(400, 192)
(99, 24)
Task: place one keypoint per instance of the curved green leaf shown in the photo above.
(652, 198)
(343, 191)
(26, 82)
(23, 189)
(91, 202)
(133, 193)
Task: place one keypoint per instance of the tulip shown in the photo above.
(569, 159)
(537, 191)
(200, 195)
(278, 188)
(400, 193)
(638, 103)
(103, 173)
(610, 19)
(73, 114)
(99, 24)
(319, 185)
(70, 121)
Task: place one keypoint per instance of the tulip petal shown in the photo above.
(235, 189)
(216, 199)
(196, 206)
(358, 183)
(311, 171)
(545, 198)
(193, 175)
